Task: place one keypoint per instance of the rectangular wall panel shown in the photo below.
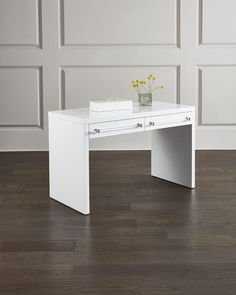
(20, 96)
(217, 22)
(20, 23)
(81, 84)
(123, 22)
(217, 95)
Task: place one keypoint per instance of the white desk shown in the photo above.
(172, 156)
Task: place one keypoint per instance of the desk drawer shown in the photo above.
(116, 127)
(165, 121)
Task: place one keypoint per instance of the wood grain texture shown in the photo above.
(144, 235)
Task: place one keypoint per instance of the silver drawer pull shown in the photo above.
(150, 124)
(96, 130)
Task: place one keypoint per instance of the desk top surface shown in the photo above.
(84, 115)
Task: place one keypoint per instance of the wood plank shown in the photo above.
(144, 235)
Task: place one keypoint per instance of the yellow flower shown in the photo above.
(153, 78)
(150, 75)
(162, 87)
(137, 81)
(133, 82)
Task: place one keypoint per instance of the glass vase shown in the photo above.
(145, 99)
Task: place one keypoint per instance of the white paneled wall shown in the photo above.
(217, 95)
(23, 110)
(218, 22)
(100, 81)
(20, 22)
(112, 22)
(61, 53)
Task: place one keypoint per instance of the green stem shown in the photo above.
(156, 88)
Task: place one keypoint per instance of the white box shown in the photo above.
(110, 104)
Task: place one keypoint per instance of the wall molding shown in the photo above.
(201, 41)
(39, 31)
(62, 44)
(62, 98)
(38, 126)
(200, 96)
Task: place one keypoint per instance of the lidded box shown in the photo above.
(110, 104)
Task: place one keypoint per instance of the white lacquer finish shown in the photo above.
(69, 163)
(173, 156)
(158, 108)
(173, 146)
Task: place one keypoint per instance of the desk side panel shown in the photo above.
(69, 163)
(173, 154)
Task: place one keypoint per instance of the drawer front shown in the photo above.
(165, 121)
(116, 127)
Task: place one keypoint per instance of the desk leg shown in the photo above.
(173, 155)
(69, 163)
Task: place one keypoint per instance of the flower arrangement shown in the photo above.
(144, 88)
(140, 85)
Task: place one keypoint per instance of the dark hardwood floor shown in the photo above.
(144, 235)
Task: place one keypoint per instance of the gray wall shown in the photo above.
(57, 54)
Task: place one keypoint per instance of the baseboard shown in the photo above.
(110, 150)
